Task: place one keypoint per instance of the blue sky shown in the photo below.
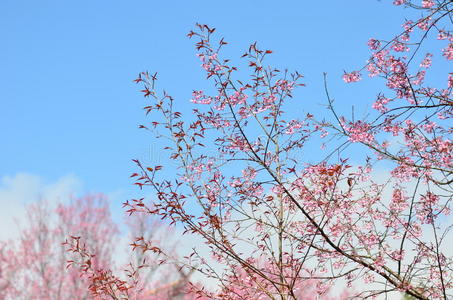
(68, 106)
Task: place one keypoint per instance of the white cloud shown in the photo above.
(20, 189)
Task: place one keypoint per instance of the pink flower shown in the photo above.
(284, 85)
(293, 126)
(429, 126)
(419, 78)
(426, 63)
(399, 2)
(381, 103)
(398, 202)
(423, 24)
(354, 76)
(237, 98)
(408, 26)
(405, 36)
(442, 35)
(397, 254)
(399, 47)
(448, 52)
(427, 3)
(374, 44)
(199, 98)
(249, 173)
(372, 69)
(360, 132)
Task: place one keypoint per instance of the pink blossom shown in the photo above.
(269, 99)
(448, 51)
(405, 37)
(405, 171)
(399, 47)
(424, 24)
(397, 255)
(360, 132)
(427, 3)
(391, 127)
(354, 76)
(284, 85)
(244, 112)
(380, 103)
(293, 126)
(369, 278)
(372, 69)
(426, 208)
(249, 174)
(237, 98)
(443, 35)
(206, 66)
(199, 98)
(398, 66)
(399, 2)
(419, 78)
(399, 201)
(374, 44)
(278, 190)
(426, 62)
(408, 26)
(429, 126)
(238, 143)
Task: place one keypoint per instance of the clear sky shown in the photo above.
(69, 108)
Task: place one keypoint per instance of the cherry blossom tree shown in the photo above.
(157, 281)
(144, 277)
(34, 266)
(8, 268)
(243, 185)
